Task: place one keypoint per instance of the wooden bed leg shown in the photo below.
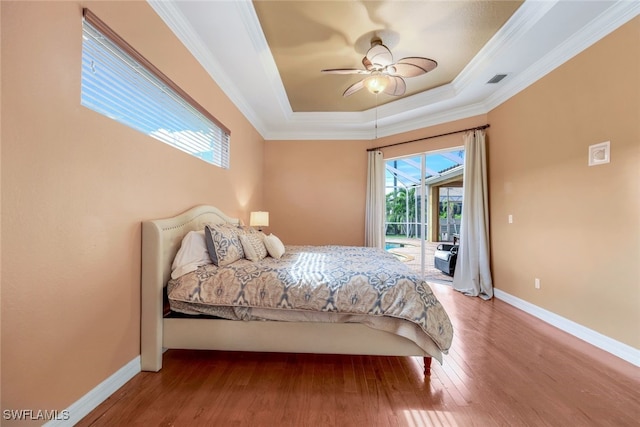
(427, 366)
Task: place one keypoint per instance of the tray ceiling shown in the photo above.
(267, 56)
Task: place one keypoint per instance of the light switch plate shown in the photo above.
(600, 154)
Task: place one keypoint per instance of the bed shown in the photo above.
(161, 240)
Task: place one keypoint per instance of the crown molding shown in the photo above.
(432, 119)
(606, 23)
(176, 21)
(520, 23)
(265, 58)
(267, 107)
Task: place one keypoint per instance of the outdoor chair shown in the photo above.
(445, 258)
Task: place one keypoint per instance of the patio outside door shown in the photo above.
(423, 207)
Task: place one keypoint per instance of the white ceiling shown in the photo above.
(227, 39)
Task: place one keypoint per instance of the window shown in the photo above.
(121, 84)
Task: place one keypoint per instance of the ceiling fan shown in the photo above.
(384, 75)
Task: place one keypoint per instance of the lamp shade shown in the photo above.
(259, 219)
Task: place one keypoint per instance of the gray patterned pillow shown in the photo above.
(254, 249)
(223, 243)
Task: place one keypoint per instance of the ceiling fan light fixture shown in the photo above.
(376, 82)
(384, 75)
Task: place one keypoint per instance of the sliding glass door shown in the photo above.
(423, 207)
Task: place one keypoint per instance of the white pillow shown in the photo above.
(253, 246)
(192, 254)
(274, 246)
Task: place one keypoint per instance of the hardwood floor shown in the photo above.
(505, 368)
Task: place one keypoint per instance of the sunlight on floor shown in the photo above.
(422, 418)
(408, 250)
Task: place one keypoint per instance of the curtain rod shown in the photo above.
(430, 137)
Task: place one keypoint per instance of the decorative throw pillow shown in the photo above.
(274, 246)
(223, 243)
(254, 249)
(192, 254)
(249, 230)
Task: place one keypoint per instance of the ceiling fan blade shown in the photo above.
(354, 88)
(412, 67)
(344, 71)
(367, 64)
(379, 55)
(396, 86)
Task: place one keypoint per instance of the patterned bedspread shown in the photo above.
(346, 280)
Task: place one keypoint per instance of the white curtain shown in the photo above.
(375, 209)
(473, 275)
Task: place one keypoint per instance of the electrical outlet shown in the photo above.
(510, 219)
(536, 283)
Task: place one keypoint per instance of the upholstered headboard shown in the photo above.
(161, 240)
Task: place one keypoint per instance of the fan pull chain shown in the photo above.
(376, 123)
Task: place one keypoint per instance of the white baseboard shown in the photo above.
(99, 394)
(621, 350)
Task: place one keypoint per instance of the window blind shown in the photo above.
(121, 84)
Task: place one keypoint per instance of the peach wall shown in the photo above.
(576, 227)
(315, 190)
(75, 186)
